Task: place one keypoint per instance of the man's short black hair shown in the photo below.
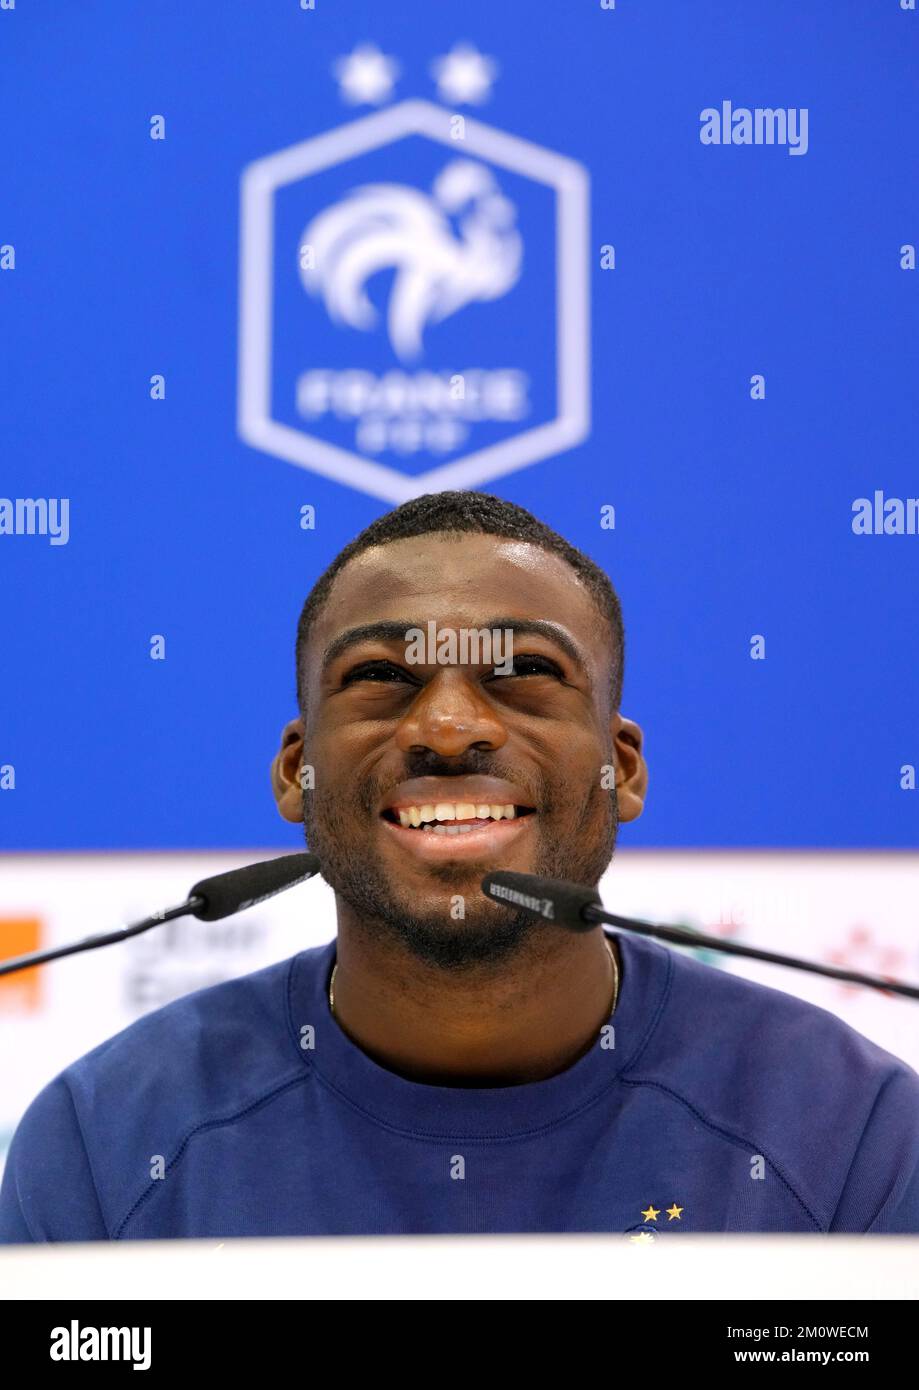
(481, 514)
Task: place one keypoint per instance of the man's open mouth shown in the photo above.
(464, 819)
(452, 818)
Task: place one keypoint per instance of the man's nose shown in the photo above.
(449, 715)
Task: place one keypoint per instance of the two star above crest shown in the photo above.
(367, 77)
(651, 1213)
(674, 1213)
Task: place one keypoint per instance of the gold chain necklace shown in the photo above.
(612, 956)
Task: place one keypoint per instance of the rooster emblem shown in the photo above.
(391, 226)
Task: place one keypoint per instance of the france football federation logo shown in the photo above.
(394, 226)
(414, 307)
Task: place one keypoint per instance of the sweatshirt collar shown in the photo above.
(482, 1113)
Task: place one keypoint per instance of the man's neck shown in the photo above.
(523, 1020)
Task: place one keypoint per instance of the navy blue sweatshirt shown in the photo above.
(714, 1104)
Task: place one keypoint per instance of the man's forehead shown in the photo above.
(458, 577)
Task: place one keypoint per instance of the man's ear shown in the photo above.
(285, 772)
(631, 768)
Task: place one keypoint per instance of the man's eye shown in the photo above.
(375, 671)
(529, 666)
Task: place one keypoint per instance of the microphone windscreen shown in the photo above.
(227, 893)
(551, 899)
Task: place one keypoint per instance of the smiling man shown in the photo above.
(447, 1064)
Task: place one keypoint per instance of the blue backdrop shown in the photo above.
(733, 515)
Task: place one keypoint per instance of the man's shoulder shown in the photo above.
(731, 1034)
(202, 1058)
(232, 1032)
(790, 1080)
(729, 1006)
(82, 1152)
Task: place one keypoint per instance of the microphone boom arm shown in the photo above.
(576, 907)
(209, 900)
(682, 936)
(89, 943)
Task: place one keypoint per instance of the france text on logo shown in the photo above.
(414, 307)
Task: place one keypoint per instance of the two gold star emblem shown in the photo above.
(651, 1213)
(674, 1213)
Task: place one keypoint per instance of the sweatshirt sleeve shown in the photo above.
(48, 1192)
(881, 1194)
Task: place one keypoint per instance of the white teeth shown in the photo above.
(420, 817)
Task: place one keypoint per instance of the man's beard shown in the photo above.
(485, 935)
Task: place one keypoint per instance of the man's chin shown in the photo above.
(435, 908)
(441, 938)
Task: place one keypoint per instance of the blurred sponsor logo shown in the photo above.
(20, 993)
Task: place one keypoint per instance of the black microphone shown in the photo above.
(578, 909)
(209, 900)
(238, 889)
(550, 898)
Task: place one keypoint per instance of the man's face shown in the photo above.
(451, 743)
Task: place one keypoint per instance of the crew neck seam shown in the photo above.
(424, 1136)
(467, 1136)
(656, 1015)
(334, 1087)
(302, 1053)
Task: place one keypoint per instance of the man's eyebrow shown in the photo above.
(383, 631)
(396, 631)
(540, 627)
